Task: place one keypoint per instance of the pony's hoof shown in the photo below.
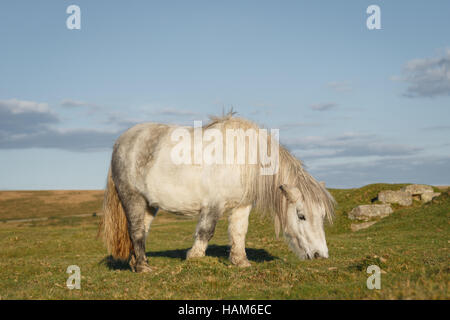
(244, 264)
(241, 263)
(143, 268)
(194, 254)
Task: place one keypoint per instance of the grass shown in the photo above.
(38, 204)
(411, 246)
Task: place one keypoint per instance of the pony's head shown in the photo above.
(304, 227)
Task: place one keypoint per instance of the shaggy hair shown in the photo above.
(114, 225)
(263, 191)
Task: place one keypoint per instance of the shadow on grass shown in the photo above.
(113, 264)
(257, 255)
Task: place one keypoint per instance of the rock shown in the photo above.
(360, 226)
(403, 198)
(428, 196)
(322, 183)
(421, 192)
(417, 189)
(369, 211)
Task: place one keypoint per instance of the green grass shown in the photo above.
(411, 246)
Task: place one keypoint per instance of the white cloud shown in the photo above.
(30, 124)
(408, 169)
(340, 86)
(427, 77)
(437, 128)
(24, 117)
(296, 125)
(73, 103)
(174, 112)
(347, 145)
(324, 106)
(74, 140)
(22, 106)
(76, 104)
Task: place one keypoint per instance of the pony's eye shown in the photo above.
(300, 216)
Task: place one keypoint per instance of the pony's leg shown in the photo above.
(237, 230)
(136, 207)
(204, 232)
(150, 214)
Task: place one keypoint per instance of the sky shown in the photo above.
(357, 106)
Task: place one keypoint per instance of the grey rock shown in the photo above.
(403, 198)
(428, 196)
(417, 189)
(370, 211)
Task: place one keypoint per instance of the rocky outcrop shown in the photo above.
(370, 211)
(421, 192)
(428, 196)
(403, 198)
(417, 189)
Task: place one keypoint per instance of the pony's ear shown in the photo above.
(291, 193)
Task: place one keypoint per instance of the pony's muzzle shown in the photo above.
(318, 255)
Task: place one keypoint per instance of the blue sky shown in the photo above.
(358, 106)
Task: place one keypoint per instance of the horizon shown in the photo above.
(356, 106)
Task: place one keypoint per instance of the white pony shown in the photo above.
(143, 178)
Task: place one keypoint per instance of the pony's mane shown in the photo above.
(264, 190)
(225, 117)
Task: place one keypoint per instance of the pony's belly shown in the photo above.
(188, 189)
(157, 197)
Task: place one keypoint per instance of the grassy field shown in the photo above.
(411, 246)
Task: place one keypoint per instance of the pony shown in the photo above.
(143, 178)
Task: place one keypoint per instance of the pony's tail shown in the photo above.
(114, 224)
